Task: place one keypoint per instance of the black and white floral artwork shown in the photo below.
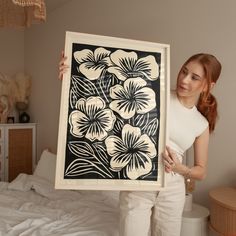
(112, 114)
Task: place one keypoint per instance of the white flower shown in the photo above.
(133, 97)
(92, 64)
(91, 119)
(133, 152)
(128, 65)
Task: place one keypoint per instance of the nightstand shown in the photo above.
(17, 150)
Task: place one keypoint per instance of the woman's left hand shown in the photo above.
(171, 161)
(63, 68)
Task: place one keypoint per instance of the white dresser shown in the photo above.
(17, 150)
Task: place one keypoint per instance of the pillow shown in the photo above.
(46, 167)
(21, 182)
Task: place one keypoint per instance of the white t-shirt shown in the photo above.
(185, 125)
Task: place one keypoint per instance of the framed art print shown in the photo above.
(113, 114)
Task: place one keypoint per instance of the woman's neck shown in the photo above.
(188, 102)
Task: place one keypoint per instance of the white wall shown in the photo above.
(11, 55)
(188, 26)
(11, 51)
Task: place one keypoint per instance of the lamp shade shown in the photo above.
(21, 13)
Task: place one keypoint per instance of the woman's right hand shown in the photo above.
(62, 66)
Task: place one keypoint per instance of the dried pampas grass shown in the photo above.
(12, 90)
(22, 87)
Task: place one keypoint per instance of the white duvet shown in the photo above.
(29, 206)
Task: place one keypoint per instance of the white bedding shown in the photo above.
(29, 206)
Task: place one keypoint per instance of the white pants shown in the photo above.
(153, 213)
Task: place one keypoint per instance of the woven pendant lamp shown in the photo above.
(21, 13)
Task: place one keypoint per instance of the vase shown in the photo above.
(24, 117)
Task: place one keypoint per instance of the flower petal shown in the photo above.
(95, 131)
(114, 146)
(124, 63)
(121, 103)
(149, 67)
(106, 118)
(133, 84)
(101, 53)
(145, 100)
(84, 55)
(93, 105)
(106, 61)
(123, 59)
(91, 71)
(120, 74)
(138, 167)
(80, 105)
(124, 108)
(145, 145)
(118, 92)
(119, 162)
(130, 135)
(79, 123)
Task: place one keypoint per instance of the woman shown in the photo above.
(193, 113)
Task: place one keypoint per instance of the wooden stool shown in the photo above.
(223, 211)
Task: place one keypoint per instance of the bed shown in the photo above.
(30, 206)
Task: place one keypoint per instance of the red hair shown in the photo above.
(207, 103)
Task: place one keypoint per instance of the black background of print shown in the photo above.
(155, 85)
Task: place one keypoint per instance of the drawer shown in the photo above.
(1, 150)
(1, 134)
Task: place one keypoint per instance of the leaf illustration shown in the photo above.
(101, 151)
(83, 166)
(81, 87)
(151, 127)
(153, 140)
(108, 81)
(74, 97)
(142, 120)
(81, 149)
(118, 125)
(84, 151)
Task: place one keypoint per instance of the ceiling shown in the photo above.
(51, 5)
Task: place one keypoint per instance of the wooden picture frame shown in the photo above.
(113, 114)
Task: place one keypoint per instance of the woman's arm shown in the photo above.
(198, 171)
